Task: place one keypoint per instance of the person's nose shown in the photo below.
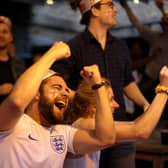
(65, 92)
(115, 9)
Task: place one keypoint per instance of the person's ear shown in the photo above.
(37, 96)
(12, 38)
(95, 11)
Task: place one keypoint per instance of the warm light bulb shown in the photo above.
(49, 2)
(136, 1)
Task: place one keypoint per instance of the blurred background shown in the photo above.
(42, 22)
(39, 23)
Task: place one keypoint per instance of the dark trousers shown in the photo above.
(122, 162)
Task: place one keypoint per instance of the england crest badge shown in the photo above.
(58, 143)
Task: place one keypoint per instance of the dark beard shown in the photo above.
(46, 110)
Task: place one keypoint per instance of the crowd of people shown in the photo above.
(96, 45)
(67, 109)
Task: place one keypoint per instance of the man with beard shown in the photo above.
(10, 67)
(36, 139)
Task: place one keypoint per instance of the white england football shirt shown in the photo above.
(29, 145)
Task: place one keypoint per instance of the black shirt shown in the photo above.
(6, 75)
(113, 61)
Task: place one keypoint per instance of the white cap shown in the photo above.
(50, 73)
(85, 5)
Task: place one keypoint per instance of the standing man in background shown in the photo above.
(95, 45)
(10, 66)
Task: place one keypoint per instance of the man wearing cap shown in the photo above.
(10, 67)
(36, 139)
(96, 45)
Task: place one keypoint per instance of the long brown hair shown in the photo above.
(83, 98)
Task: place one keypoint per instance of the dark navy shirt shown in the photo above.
(114, 64)
(6, 75)
(113, 61)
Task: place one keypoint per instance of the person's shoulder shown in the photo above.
(64, 130)
(118, 41)
(114, 38)
(77, 39)
(17, 60)
(27, 120)
(62, 127)
(21, 125)
(85, 123)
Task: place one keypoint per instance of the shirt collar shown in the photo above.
(89, 37)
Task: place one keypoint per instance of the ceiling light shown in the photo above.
(136, 1)
(49, 2)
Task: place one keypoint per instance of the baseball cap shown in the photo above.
(85, 5)
(50, 73)
(6, 20)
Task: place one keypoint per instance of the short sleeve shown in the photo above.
(70, 137)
